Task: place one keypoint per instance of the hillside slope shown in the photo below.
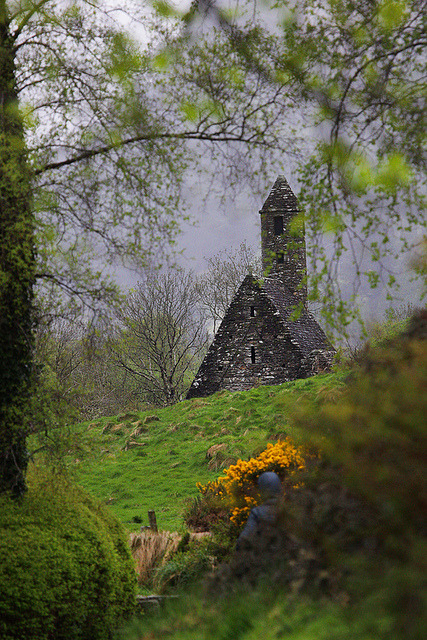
(152, 460)
(346, 558)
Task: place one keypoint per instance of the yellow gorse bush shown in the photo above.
(236, 489)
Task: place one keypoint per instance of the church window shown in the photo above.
(253, 312)
(253, 355)
(278, 225)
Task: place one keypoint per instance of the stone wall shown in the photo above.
(284, 254)
(252, 346)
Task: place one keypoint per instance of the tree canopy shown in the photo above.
(355, 72)
(113, 123)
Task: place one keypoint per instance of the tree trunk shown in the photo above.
(17, 258)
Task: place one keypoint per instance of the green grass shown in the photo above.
(262, 614)
(162, 474)
(360, 510)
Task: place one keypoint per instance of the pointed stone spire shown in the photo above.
(283, 239)
(281, 198)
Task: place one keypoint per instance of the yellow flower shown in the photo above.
(237, 487)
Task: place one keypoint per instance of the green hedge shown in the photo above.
(65, 568)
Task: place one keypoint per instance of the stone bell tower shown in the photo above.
(283, 239)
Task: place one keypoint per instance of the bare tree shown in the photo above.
(223, 276)
(162, 336)
(79, 376)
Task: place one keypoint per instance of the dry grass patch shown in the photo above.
(150, 550)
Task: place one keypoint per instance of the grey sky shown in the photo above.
(222, 220)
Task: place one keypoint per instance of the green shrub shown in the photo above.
(373, 443)
(66, 570)
(376, 430)
(186, 566)
(206, 512)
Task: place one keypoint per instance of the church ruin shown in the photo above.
(259, 340)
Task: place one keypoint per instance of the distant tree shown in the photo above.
(222, 277)
(162, 336)
(79, 377)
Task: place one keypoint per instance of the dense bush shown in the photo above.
(376, 432)
(373, 443)
(65, 570)
(206, 512)
(186, 566)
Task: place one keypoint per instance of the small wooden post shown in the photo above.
(152, 520)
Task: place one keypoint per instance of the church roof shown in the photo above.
(304, 331)
(281, 197)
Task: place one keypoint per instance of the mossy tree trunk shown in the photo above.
(17, 258)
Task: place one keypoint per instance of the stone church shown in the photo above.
(259, 341)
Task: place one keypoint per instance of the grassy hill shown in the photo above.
(147, 460)
(352, 560)
(348, 555)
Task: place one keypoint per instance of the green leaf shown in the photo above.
(190, 110)
(164, 9)
(331, 222)
(296, 227)
(391, 14)
(393, 172)
(362, 176)
(162, 60)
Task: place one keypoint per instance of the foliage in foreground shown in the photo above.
(354, 532)
(376, 433)
(265, 614)
(354, 72)
(65, 570)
